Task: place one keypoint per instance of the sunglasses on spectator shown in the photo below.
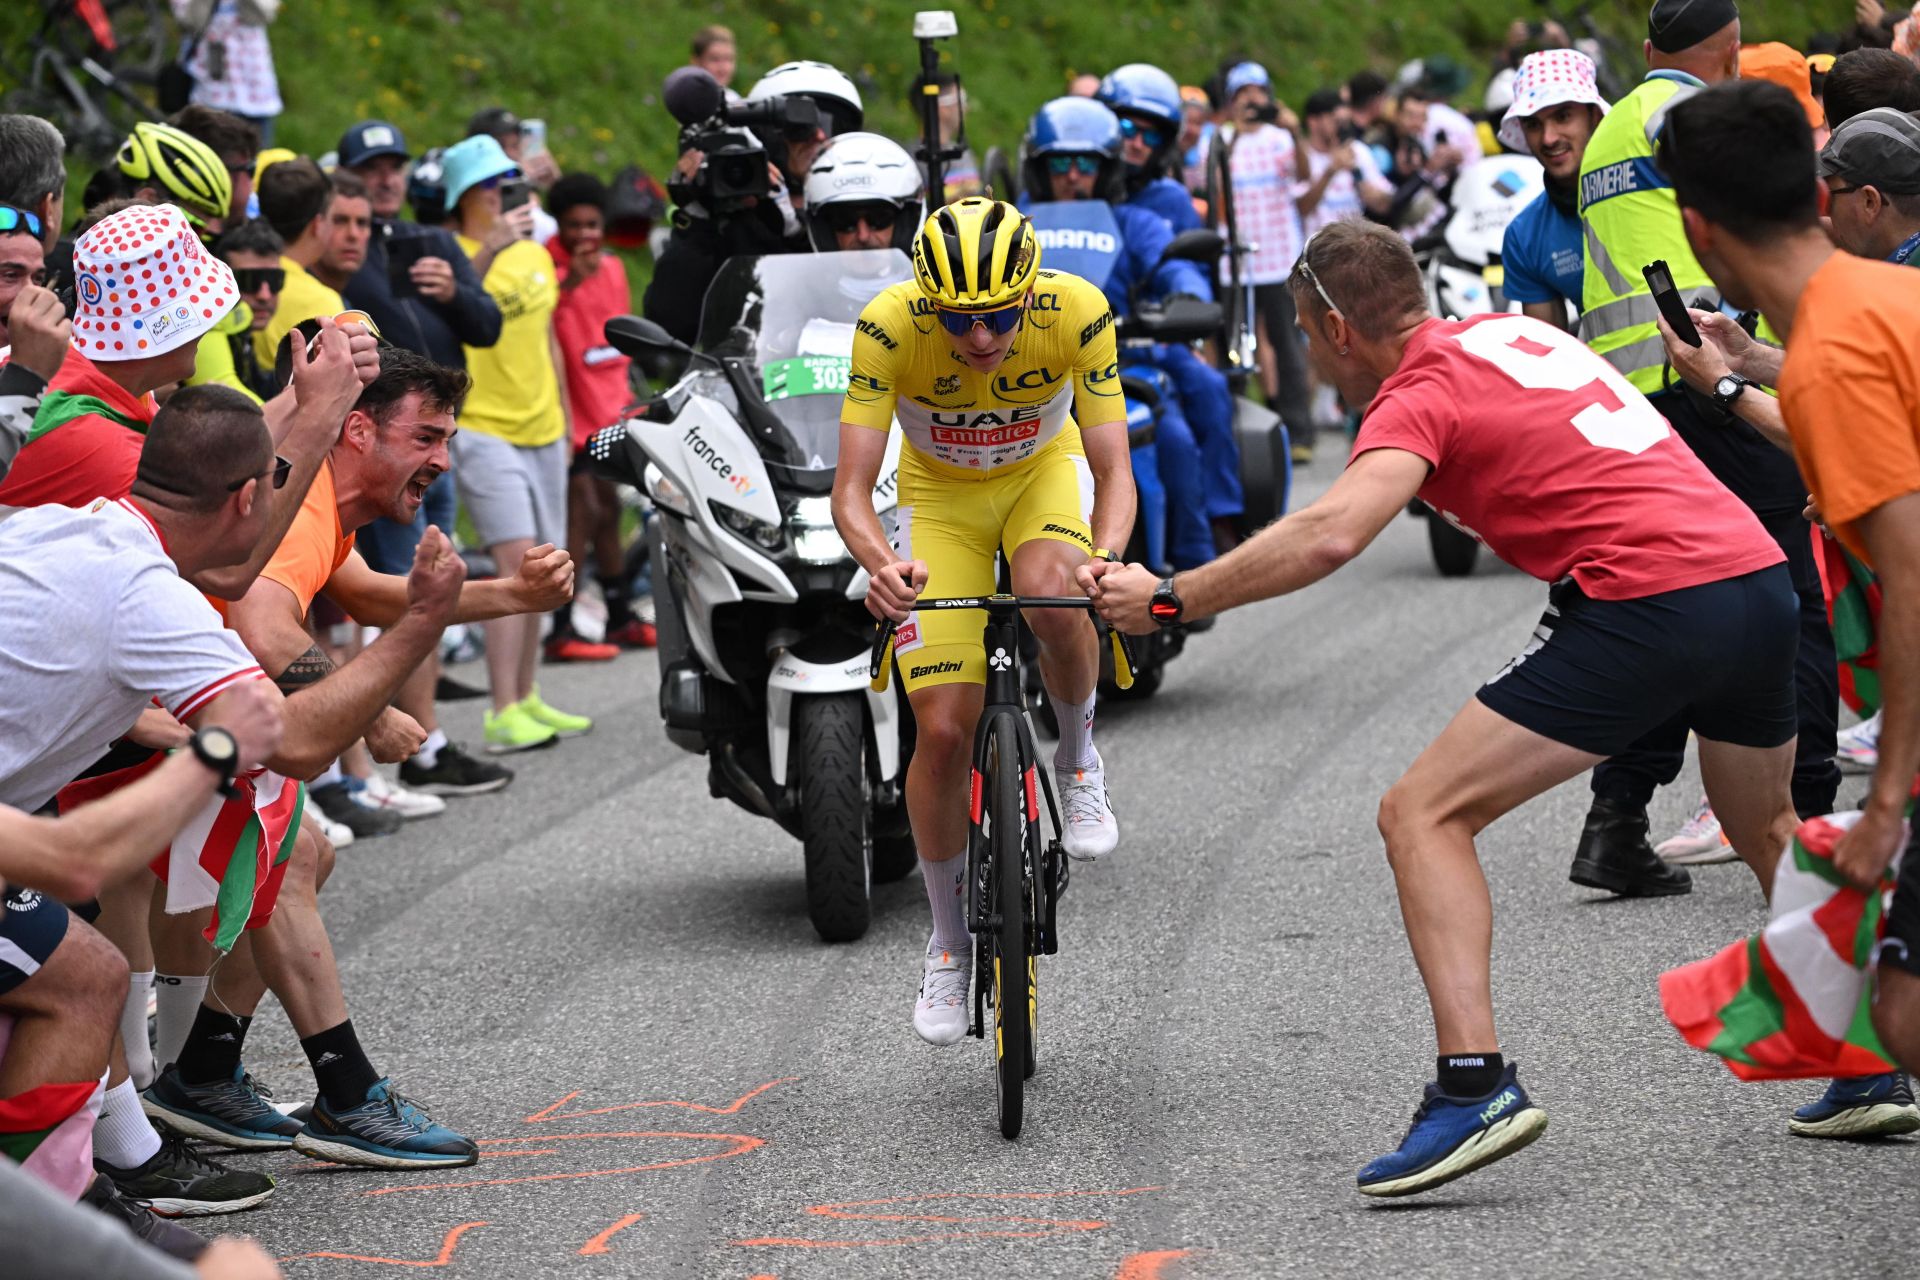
(877, 214)
(1130, 128)
(250, 279)
(282, 468)
(1088, 165)
(18, 222)
(960, 323)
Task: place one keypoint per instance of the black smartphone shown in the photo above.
(1667, 298)
(514, 194)
(401, 255)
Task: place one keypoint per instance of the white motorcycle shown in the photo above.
(764, 636)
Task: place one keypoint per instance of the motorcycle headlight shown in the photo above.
(763, 535)
(815, 540)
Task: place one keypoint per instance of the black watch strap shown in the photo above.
(219, 751)
(1165, 607)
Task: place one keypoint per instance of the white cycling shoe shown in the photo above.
(940, 1014)
(1089, 829)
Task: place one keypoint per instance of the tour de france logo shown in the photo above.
(89, 289)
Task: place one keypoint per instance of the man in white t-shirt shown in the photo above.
(1343, 179)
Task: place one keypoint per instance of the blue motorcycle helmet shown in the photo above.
(1062, 132)
(1146, 97)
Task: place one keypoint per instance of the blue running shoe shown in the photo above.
(1454, 1136)
(1863, 1107)
(234, 1113)
(384, 1132)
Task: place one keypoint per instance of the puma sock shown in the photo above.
(947, 895)
(429, 753)
(1075, 751)
(179, 997)
(619, 600)
(1470, 1075)
(133, 1029)
(212, 1051)
(340, 1066)
(123, 1136)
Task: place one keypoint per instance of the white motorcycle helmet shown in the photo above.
(862, 169)
(829, 89)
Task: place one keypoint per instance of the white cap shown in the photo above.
(1544, 80)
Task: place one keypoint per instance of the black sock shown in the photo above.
(340, 1066)
(212, 1049)
(1470, 1075)
(619, 599)
(563, 619)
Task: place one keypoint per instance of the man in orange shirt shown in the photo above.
(1741, 160)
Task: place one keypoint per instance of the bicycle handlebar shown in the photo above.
(880, 666)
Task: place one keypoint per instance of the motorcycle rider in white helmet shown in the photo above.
(841, 111)
(863, 192)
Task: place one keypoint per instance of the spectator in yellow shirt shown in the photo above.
(326, 221)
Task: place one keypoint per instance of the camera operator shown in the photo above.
(739, 186)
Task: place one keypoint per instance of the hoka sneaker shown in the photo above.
(1088, 828)
(236, 1113)
(384, 1132)
(1454, 1136)
(1859, 747)
(454, 773)
(176, 1183)
(1699, 842)
(564, 724)
(940, 1014)
(515, 730)
(1863, 1107)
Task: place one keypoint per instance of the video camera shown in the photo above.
(729, 136)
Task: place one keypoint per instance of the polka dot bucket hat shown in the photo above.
(144, 285)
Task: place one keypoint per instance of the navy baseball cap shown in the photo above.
(370, 139)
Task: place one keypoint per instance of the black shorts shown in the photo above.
(1900, 944)
(31, 927)
(1599, 673)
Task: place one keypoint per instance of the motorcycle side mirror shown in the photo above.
(636, 336)
(1198, 245)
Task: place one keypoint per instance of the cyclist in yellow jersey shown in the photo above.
(986, 360)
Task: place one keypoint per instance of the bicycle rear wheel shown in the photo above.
(1010, 892)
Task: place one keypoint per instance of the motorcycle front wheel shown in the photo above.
(830, 738)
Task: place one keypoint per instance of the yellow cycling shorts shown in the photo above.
(956, 526)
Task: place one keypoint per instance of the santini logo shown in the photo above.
(878, 334)
(1075, 534)
(935, 669)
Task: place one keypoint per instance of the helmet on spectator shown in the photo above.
(825, 85)
(1071, 127)
(1141, 89)
(976, 255)
(182, 168)
(427, 187)
(863, 168)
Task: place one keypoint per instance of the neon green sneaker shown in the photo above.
(516, 730)
(560, 722)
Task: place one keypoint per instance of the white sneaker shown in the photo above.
(940, 1014)
(1697, 843)
(1860, 746)
(1090, 830)
(338, 834)
(381, 793)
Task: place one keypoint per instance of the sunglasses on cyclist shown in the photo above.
(877, 214)
(1088, 165)
(960, 323)
(18, 222)
(250, 279)
(1130, 128)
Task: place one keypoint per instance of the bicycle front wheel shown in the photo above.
(1015, 997)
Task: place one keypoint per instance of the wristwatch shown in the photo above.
(1165, 607)
(1104, 553)
(219, 751)
(1728, 389)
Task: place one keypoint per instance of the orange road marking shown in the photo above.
(599, 1243)
(1146, 1266)
(552, 1112)
(741, 1145)
(447, 1246)
(1040, 1227)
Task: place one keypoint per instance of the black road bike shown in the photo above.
(1015, 878)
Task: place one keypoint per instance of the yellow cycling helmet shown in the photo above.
(180, 166)
(976, 255)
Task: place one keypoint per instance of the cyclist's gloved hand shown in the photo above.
(893, 590)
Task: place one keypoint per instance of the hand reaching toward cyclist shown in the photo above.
(1120, 593)
(893, 590)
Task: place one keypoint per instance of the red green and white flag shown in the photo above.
(1853, 610)
(1791, 1002)
(48, 1130)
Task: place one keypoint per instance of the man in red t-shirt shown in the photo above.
(1668, 598)
(593, 290)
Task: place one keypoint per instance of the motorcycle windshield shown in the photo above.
(788, 321)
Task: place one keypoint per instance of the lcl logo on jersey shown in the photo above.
(1031, 380)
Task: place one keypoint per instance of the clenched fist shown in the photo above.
(545, 580)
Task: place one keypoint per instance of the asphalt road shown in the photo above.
(609, 979)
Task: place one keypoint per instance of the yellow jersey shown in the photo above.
(969, 425)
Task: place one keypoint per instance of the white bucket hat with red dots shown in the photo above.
(144, 285)
(1544, 80)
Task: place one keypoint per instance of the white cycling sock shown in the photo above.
(123, 1136)
(179, 1004)
(1075, 751)
(946, 882)
(133, 1029)
(429, 753)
